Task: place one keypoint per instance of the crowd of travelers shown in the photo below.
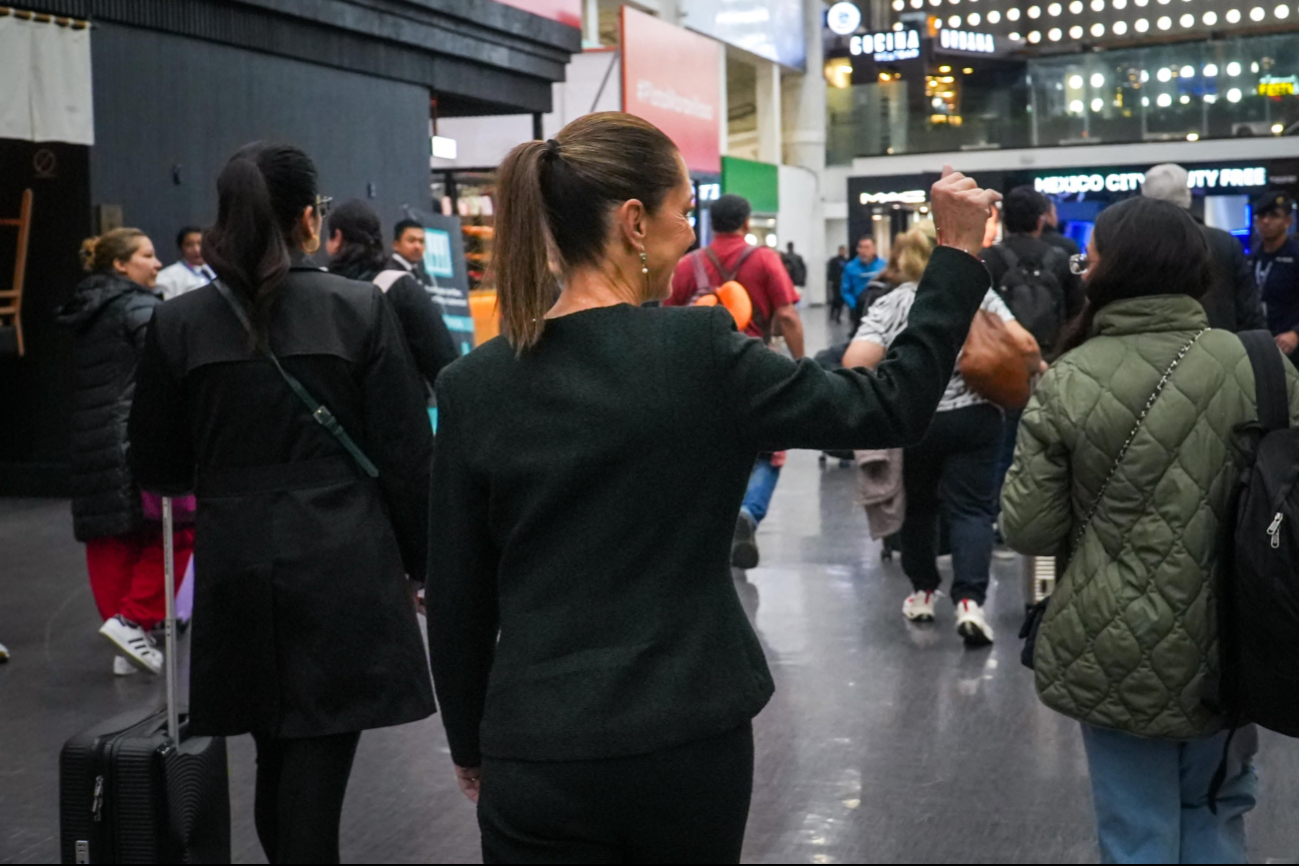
(603, 465)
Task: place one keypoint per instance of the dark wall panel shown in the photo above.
(170, 108)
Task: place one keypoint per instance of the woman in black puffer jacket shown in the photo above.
(109, 314)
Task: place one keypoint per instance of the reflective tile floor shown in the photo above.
(885, 742)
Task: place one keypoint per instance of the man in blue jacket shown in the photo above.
(1276, 268)
(858, 274)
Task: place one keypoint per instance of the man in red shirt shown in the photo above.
(764, 277)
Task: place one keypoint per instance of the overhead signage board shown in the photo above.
(965, 40)
(843, 18)
(887, 47)
(1232, 178)
(772, 29)
(671, 77)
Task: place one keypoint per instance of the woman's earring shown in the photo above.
(644, 262)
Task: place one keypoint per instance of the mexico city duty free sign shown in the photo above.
(1131, 181)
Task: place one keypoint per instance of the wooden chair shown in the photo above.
(11, 301)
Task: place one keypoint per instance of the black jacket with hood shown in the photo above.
(109, 315)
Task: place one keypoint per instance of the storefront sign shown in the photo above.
(888, 47)
(1271, 86)
(773, 29)
(1217, 178)
(962, 40)
(670, 77)
(911, 196)
(843, 18)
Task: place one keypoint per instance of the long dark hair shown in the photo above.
(262, 192)
(556, 197)
(1146, 247)
(362, 254)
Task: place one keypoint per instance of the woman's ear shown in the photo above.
(309, 229)
(631, 219)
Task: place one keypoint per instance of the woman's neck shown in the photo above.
(588, 288)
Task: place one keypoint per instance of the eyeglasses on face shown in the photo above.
(1078, 264)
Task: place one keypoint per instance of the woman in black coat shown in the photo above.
(304, 627)
(355, 248)
(109, 314)
(596, 671)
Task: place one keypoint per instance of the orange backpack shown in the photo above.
(730, 294)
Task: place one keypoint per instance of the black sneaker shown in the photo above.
(744, 546)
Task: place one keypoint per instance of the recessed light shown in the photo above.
(1120, 27)
(1012, 14)
(1188, 72)
(1165, 75)
(1098, 30)
(1187, 20)
(1211, 70)
(1035, 37)
(954, 21)
(1257, 14)
(1098, 80)
(994, 17)
(1164, 100)
(1075, 81)
(1076, 106)
(1055, 34)
(1142, 25)
(1054, 10)
(1014, 36)
(1185, 100)
(1192, 136)
(974, 19)
(1282, 12)
(1098, 104)
(1278, 128)
(1233, 68)
(1165, 23)
(1234, 95)
(1233, 16)
(1210, 19)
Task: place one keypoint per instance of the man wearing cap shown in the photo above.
(1276, 268)
(1232, 302)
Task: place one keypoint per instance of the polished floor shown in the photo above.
(885, 742)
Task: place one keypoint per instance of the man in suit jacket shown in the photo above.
(408, 250)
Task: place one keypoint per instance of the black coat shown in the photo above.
(584, 499)
(109, 315)
(1232, 301)
(302, 621)
(426, 333)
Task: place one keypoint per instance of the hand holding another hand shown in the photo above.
(961, 211)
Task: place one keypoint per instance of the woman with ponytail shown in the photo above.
(312, 518)
(596, 671)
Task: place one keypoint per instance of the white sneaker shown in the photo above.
(971, 623)
(132, 642)
(123, 668)
(919, 606)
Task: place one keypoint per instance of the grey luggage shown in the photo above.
(137, 788)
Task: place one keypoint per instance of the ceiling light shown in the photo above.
(1210, 70)
(1253, 67)
(1257, 14)
(974, 19)
(994, 17)
(1188, 72)
(1075, 81)
(916, 4)
(1098, 30)
(1120, 4)
(1076, 7)
(1054, 10)
(1185, 100)
(1233, 95)
(1142, 25)
(1076, 106)
(1145, 102)
(1165, 75)
(1012, 14)
(1210, 19)
(1035, 37)
(1098, 80)
(1035, 12)
(1164, 100)
(1165, 23)
(1098, 5)
(1098, 104)
(897, 27)
(1278, 128)
(1210, 98)
(1014, 36)
(944, 69)
(1187, 20)
(954, 21)
(1142, 3)
(969, 70)
(1282, 11)
(1120, 27)
(1055, 34)
(1192, 136)
(935, 2)
(899, 5)
(1075, 32)
(1233, 16)
(1233, 68)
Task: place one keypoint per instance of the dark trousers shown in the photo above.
(951, 473)
(1010, 433)
(686, 804)
(300, 789)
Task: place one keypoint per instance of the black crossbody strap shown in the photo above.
(1269, 379)
(319, 411)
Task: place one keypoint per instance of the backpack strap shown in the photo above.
(702, 284)
(1008, 256)
(385, 280)
(319, 411)
(726, 275)
(1269, 379)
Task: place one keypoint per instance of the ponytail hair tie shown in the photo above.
(552, 147)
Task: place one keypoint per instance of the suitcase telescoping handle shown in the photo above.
(169, 659)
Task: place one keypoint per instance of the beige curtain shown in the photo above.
(46, 90)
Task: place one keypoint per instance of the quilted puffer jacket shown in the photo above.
(1130, 635)
(109, 315)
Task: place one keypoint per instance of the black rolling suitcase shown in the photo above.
(137, 789)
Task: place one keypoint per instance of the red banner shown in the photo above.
(671, 77)
(564, 11)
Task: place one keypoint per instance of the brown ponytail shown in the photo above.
(99, 254)
(555, 198)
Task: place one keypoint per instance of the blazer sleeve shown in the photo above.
(461, 596)
(426, 333)
(162, 450)
(779, 404)
(398, 436)
(1036, 501)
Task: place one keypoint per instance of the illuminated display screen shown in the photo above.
(769, 28)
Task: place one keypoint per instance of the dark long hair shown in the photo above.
(362, 254)
(262, 192)
(556, 196)
(1146, 247)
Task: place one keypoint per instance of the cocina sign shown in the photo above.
(888, 47)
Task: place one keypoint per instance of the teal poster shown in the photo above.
(444, 260)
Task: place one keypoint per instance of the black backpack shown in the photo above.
(1258, 598)
(1033, 292)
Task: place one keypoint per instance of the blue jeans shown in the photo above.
(1007, 455)
(762, 486)
(1152, 796)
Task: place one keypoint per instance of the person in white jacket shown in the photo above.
(190, 272)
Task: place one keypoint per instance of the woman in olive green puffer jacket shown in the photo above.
(1129, 638)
